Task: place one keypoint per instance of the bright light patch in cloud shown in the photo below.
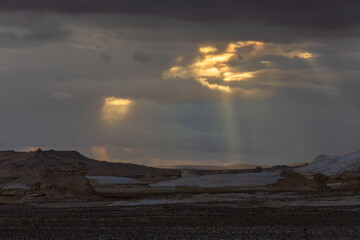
(207, 50)
(305, 55)
(212, 64)
(115, 109)
(218, 69)
(228, 76)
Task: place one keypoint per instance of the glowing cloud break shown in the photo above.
(115, 109)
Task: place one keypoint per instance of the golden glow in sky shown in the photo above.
(305, 55)
(213, 63)
(218, 69)
(207, 50)
(115, 109)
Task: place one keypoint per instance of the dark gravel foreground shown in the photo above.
(180, 221)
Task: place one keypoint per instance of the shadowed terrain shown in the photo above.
(180, 221)
(14, 164)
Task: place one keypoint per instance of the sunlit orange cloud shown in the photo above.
(287, 50)
(213, 64)
(207, 50)
(305, 55)
(115, 109)
(228, 76)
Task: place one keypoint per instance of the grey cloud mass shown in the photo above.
(200, 82)
(142, 57)
(19, 29)
(321, 14)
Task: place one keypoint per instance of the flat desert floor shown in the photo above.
(309, 215)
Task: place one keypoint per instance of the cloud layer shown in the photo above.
(157, 82)
(309, 14)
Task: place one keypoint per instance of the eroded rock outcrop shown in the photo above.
(320, 181)
(350, 179)
(293, 182)
(61, 184)
(186, 172)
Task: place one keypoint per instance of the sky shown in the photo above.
(177, 82)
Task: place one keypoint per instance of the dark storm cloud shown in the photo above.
(52, 95)
(27, 29)
(142, 57)
(322, 14)
(105, 57)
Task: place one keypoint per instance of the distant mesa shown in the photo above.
(16, 164)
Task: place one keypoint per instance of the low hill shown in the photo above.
(14, 164)
(332, 165)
